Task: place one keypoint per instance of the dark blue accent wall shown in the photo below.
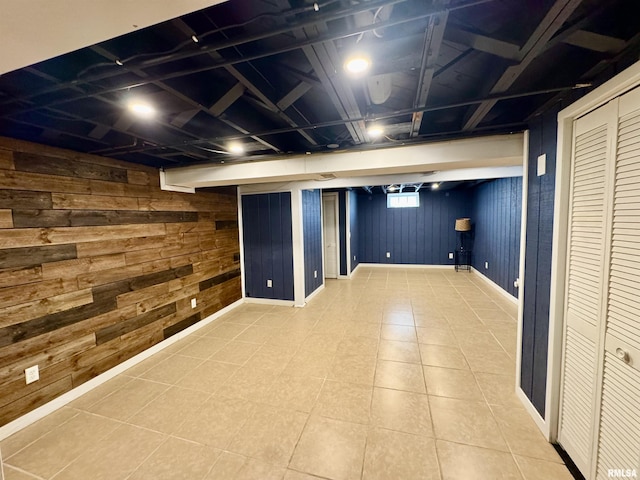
(423, 235)
(268, 245)
(342, 223)
(312, 238)
(353, 222)
(496, 220)
(537, 280)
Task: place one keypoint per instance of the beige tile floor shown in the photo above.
(396, 374)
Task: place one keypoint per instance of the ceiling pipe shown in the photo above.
(207, 48)
(372, 118)
(289, 47)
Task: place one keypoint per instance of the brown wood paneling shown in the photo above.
(35, 291)
(46, 357)
(226, 224)
(91, 202)
(10, 277)
(178, 327)
(6, 220)
(6, 160)
(109, 333)
(126, 245)
(78, 266)
(30, 256)
(36, 163)
(93, 249)
(46, 306)
(25, 199)
(143, 178)
(34, 400)
(81, 218)
(23, 237)
(14, 180)
(38, 326)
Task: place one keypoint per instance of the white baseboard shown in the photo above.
(531, 410)
(496, 287)
(354, 270)
(59, 402)
(314, 293)
(269, 301)
(404, 265)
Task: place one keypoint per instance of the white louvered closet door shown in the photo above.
(584, 302)
(619, 432)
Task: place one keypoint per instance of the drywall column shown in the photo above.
(298, 247)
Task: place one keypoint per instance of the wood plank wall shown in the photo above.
(98, 264)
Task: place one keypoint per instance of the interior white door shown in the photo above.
(330, 229)
(618, 439)
(585, 293)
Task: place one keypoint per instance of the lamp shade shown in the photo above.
(463, 224)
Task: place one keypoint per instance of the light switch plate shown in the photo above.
(194, 302)
(542, 164)
(388, 254)
(269, 284)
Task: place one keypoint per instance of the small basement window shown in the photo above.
(403, 200)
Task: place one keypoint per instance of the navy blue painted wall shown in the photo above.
(342, 233)
(312, 238)
(423, 235)
(353, 219)
(537, 280)
(268, 245)
(496, 220)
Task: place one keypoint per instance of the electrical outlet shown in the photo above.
(450, 255)
(315, 274)
(388, 254)
(32, 374)
(486, 265)
(354, 258)
(194, 302)
(269, 283)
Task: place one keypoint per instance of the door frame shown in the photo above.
(620, 84)
(335, 195)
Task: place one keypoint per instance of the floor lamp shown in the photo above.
(463, 225)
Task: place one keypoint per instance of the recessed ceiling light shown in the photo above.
(142, 109)
(375, 131)
(357, 64)
(236, 148)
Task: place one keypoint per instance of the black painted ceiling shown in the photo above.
(269, 74)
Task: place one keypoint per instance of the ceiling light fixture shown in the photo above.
(316, 7)
(375, 131)
(194, 38)
(392, 188)
(119, 62)
(236, 148)
(142, 109)
(435, 186)
(357, 64)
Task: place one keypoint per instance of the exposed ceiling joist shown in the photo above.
(551, 23)
(294, 94)
(482, 43)
(595, 42)
(431, 49)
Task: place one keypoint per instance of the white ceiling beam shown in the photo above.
(596, 42)
(458, 175)
(491, 151)
(483, 43)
